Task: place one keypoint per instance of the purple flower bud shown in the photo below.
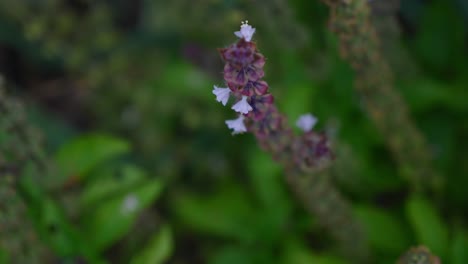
(259, 60)
(234, 75)
(262, 106)
(254, 74)
(240, 54)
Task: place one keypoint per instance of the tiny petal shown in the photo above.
(306, 122)
(222, 94)
(242, 106)
(246, 32)
(237, 125)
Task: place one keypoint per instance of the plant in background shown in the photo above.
(360, 46)
(20, 156)
(303, 156)
(418, 255)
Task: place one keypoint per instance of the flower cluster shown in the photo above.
(243, 73)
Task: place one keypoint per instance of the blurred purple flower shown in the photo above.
(306, 122)
(237, 125)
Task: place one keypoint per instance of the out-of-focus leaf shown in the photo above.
(243, 254)
(56, 231)
(297, 252)
(459, 247)
(62, 237)
(438, 47)
(78, 157)
(233, 255)
(427, 224)
(268, 183)
(110, 181)
(226, 213)
(296, 101)
(424, 94)
(113, 218)
(385, 232)
(186, 78)
(158, 250)
(4, 257)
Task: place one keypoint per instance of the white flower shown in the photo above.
(306, 122)
(222, 94)
(242, 106)
(237, 125)
(246, 31)
(129, 204)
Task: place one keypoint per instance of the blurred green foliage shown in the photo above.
(143, 169)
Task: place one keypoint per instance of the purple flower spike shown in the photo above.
(243, 74)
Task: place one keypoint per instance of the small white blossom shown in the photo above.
(306, 122)
(222, 94)
(237, 125)
(246, 31)
(242, 106)
(129, 204)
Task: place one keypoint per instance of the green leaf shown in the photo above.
(61, 236)
(385, 232)
(297, 252)
(4, 256)
(459, 247)
(112, 219)
(56, 231)
(275, 205)
(427, 224)
(78, 157)
(234, 254)
(436, 46)
(184, 78)
(425, 94)
(109, 181)
(158, 250)
(227, 213)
